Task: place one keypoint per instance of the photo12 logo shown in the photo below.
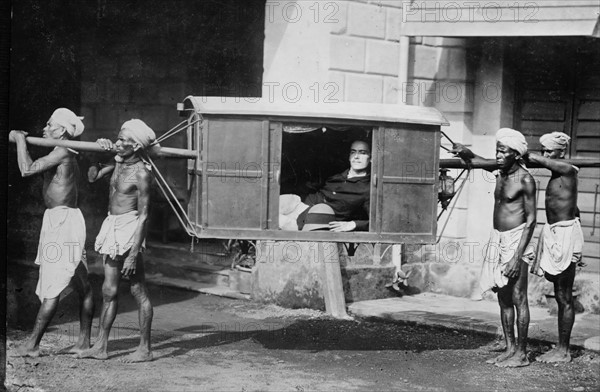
(470, 11)
(297, 11)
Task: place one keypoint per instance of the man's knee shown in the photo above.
(109, 291)
(563, 298)
(519, 297)
(138, 290)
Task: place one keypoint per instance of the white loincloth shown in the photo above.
(60, 250)
(561, 243)
(116, 234)
(290, 207)
(500, 250)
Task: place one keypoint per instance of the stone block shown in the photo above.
(366, 20)
(425, 62)
(107, 118)
(383, 57)
(126, 113)
(366, 283)
(391, 90)
(87, 112)
(156, 117)
(288, 274)
(364, 88)
(420, 92)
(92, 92)
(334, 91)
(454, 97)
(337, 15)
(457, 279)
(144, 93)
(393, 24)
(347, 54)
(117, 92)
(364, 256)
(457, 64)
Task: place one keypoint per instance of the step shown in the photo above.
(221, 291)
(177, 268)
(207, 254)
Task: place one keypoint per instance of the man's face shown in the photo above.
(553, 154)
(360, 156)
(125, 144)
(505, 156)
(52, 130)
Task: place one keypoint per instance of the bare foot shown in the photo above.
(95, 353)
(502, 357)
(138, 356)
(26, 351)
(555, 355)
(77, 350)
(517, 360)
(497, 347)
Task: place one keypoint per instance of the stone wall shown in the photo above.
(365, 51)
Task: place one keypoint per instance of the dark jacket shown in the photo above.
(348, 197)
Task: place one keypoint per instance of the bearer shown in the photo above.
(62, 238)
(122, 236)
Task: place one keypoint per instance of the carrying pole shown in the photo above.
(155, 151)
(460, 164)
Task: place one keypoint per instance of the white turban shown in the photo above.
(555, 140)
(69, 120)
(512, 139)
(140, 132)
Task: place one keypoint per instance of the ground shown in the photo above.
(207, 343)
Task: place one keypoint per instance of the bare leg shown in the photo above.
(507, 316)
(110, 288)
(145, 313)
(563, 290)
(519, 299)
(31, 347)
(86, 309)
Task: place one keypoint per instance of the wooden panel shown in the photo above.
(407, 208)
(407, 180)
(589, 110)
(554, 111)
(588, 144)
(236, 174)
(588, 129)
(233, 203)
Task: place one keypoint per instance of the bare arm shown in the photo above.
(529, 204)
(94, 174)
(27, 166)
(553, 165)
(143, 193)
(469, 157)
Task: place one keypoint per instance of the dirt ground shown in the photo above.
(206, 343)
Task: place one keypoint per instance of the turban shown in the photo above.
(555, 141)
(69, 120)
(140, 132)
(512, 139)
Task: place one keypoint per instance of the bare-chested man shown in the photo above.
(504, 267)
(561, 240)
(62, 237)
(122, 237)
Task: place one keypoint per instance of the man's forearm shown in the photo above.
(553, 164)
(23, 158)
